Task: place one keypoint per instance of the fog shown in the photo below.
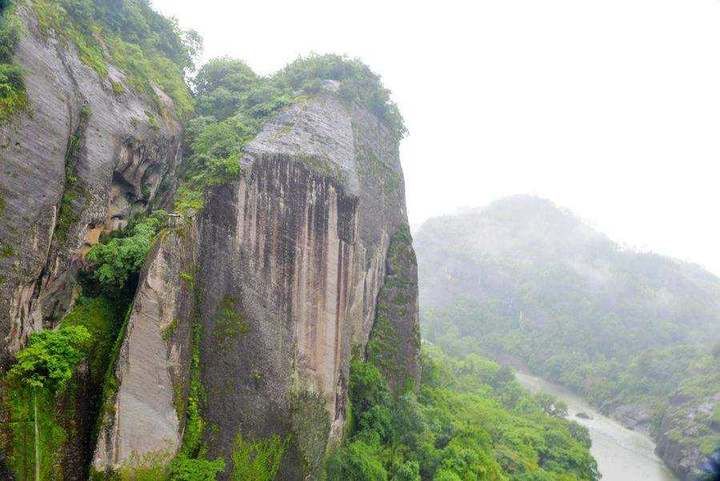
(611, 108)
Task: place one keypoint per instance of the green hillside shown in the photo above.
(632, 332)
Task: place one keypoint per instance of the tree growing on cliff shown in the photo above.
(48, 362)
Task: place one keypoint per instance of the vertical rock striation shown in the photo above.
(78, 163)
(288, 264)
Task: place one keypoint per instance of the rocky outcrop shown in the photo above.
(684, 431)
(287, 263)
(144, 413)
(87, 154)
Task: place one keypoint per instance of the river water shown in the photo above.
(621, 454)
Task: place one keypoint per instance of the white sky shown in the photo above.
(608, 107)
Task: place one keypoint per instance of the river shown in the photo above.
(621, 454)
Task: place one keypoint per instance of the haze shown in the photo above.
(610, 108)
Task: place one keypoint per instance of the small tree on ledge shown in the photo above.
(48, 362)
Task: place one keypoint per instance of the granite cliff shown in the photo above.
(87, 154)
(282, 272)
(238, 330)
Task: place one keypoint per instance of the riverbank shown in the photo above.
(621, 453)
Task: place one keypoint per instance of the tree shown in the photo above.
(122, 256)
(48, 362)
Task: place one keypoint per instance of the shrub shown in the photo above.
(368, 387)
(257, 460)
(50, 357)
(187, 469)
(356, 462)
(124, 254)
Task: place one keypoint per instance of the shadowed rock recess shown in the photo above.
(247, 311)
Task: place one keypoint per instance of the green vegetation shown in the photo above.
(149, 48)
(43, 368)
(6, 251)
(229, 322)
(49, 358)
(470, 421)
(35, 434)
(74, 197)
(186, 469)
(257, 460)
(122, 255)
(192, 445)
(13, 97)
(526, 279)
(356, 83)
(233, 103)
(99, 316)
(388, 348)
(191, 463)
(41, 388)
(310, 424)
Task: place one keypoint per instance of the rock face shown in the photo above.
(144, 418)
(78, 163)
(683, 421)
(279, 276)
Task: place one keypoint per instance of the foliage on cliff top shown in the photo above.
(233, 103)
(357, 83)
(471, 421)
(148, 47)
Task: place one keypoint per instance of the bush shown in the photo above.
(368, 387)
(187, 469)
(356, 462)
(124, 254)
(50, 357)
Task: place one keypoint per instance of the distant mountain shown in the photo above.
(525, 279)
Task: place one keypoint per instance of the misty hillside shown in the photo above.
(528, 281)
(530, 264)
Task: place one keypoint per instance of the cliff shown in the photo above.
(87, 153)
(291, 257)
(279, 276)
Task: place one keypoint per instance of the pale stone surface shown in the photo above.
(143, 421)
